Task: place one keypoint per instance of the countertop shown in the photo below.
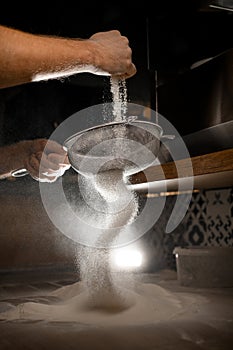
(210, 326)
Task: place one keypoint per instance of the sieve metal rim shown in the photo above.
(73, 138)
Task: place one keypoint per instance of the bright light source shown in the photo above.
(128, 258)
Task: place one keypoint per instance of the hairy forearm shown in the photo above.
(25, 57)
(12, 157)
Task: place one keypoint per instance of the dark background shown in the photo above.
(165, 36)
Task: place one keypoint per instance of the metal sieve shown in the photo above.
(130, 146)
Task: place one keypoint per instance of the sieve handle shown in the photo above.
(19, 172)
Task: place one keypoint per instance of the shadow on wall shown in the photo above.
(28, 238)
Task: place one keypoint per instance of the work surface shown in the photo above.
(208, 326)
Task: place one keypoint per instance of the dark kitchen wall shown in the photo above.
(33, 110)
(166, 37)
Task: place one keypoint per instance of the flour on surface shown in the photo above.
(100, 297)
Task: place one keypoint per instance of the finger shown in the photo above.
(43, 175)
(38, 172)
(32, 170)
(33, 166)
(58, 159)
(39, 160)
(48, 164)
(51, 169)
(130, 72)
(34, 162)
(52, 161)
(54, 147)
(38, 164)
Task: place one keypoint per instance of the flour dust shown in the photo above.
(120, 209)
(105, 296)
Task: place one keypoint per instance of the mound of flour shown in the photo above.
(146, 304)
(100, 297)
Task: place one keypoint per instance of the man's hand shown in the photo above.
(46, 160)
(113, 54)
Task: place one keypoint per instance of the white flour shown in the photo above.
(121, 208)
(100, 297)
(145, 305)
(119, 94)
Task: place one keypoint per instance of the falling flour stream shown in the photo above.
(121, 208)
(100, 297)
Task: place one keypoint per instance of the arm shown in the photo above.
(45, 160)
(26, 57)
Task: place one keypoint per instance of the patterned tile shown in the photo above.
(219, 218)
(208, 222)
(195, 219)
